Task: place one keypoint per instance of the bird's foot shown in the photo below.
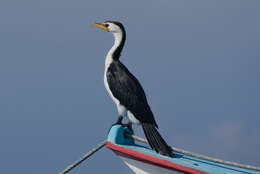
(129, 126)
(119, 121)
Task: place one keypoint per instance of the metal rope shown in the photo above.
(198, 155)
(94, 150)
(69, 168)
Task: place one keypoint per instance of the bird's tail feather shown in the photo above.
(155, 140)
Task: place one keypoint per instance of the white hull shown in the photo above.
(144, 168)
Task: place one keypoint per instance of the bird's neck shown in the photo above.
(114, 53)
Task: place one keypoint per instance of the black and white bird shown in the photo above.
(126, 91)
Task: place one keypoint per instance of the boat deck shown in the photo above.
(127, 148)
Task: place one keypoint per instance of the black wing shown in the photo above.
(126, 88)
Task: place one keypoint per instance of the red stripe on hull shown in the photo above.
(124, 152)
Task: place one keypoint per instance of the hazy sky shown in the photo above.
(198, 62)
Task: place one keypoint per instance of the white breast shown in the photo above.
(109, 60)
(120, 108)
(122, 111)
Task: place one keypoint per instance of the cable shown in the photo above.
(87, 155)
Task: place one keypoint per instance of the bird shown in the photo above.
(126, 91)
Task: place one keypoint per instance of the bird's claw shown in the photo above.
(129, 126)
(119, 122)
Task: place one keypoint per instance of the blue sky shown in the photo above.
(198, 62)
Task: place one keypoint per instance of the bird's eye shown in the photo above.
(106, 25)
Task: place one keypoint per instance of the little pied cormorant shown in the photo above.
(126, 91)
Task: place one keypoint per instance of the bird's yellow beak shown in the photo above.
(101, 26)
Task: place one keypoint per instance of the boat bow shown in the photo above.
(143, 160)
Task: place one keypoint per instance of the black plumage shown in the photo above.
(127, 89)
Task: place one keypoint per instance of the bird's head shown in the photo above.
(111, 26)
(118, 30)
